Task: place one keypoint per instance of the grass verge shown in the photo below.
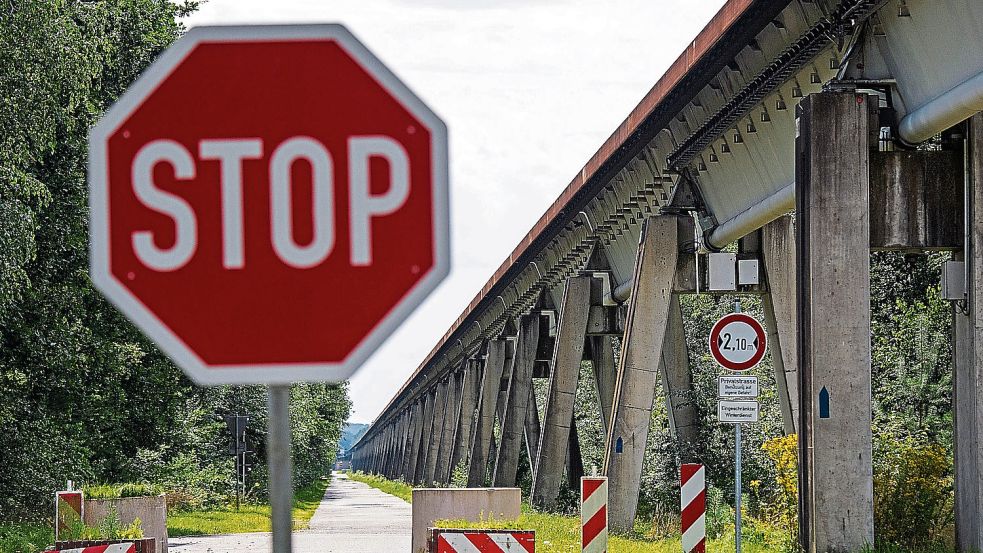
(398, 488)
(559, 533)
(25, 537)
(249, 518)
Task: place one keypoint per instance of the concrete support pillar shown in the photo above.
(778, 249)
(503, 396)
(568, 353)
(380, 449)
(439, 418)
(405, 433)
(451, 413)
(605, 374)
(429, 399)
(376, 454)
(532, 427)
(836, 133)
(413, 441)
(968, 354)
(677, 381)
(514, 419)
(466, 419)
(393, 433)
(639, 366)
(484, 429)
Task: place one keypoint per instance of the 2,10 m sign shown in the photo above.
(737, 342)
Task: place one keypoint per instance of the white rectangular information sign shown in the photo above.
(737, 386)
(737, 411)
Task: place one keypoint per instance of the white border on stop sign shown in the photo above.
(139, 314)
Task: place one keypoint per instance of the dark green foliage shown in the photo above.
(83, 395)
(912, 385)
(912, 346)
(25, 537)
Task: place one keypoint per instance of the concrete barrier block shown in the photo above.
(151, 510)
(473, 504)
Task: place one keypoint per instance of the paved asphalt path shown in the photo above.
(352, 518)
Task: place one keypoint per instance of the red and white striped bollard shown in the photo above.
(594, 514)
(693, 501)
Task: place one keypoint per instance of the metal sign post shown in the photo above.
(281, 471)
(737, 487)
(737, 468)
(737, 342)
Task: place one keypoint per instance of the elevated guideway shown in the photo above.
(707, 158)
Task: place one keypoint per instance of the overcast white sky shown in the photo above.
(529, 90)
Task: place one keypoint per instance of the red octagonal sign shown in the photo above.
(268, 203)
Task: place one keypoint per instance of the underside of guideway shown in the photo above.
(777, 106)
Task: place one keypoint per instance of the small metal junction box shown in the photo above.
(721, 273)
(954, 280)
(748, 272)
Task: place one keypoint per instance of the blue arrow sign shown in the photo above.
(824, 403)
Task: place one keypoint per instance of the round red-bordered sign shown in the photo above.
(737, 342)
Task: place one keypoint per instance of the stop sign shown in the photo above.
(268, 203)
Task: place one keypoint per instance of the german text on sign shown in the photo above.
(737, 411)
(737, 386)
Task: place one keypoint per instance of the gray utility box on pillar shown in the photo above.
(722, 272)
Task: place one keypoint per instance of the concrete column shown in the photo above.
(836, 133)
(428, 407)
(439, 410)
(404, 439)
(413, 442)
(568, 353)
(394, 434)
(639, 366)
(517, 402)
(532, 427)
(379, 451)
(484, 429)
(452, 413)
(678, 384)
(466, 420)
(391, 447)
(503, 396)
(778, 249)
(968, 356)
(605, 374)
(376, 454)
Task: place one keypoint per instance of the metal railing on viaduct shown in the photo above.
(790, 127)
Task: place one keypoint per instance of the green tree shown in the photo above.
(83, 395)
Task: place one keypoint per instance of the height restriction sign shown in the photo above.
(737, 342)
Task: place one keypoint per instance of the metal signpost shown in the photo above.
(737, 343)
(278, 228)
(237, 426)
